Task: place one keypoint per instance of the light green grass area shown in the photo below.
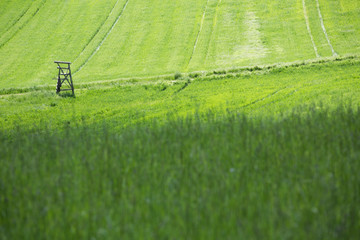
(128, 38)
(51, 30)
(11, 14)
(265, 92)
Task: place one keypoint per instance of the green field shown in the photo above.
(273, 92)
(136, 38)
(205, 119)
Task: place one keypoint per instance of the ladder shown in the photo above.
(64, 76)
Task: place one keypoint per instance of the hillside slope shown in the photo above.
(135, 38)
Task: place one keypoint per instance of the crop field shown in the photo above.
(137, 38)
(202, 119)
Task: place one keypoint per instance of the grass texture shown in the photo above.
(201, 177)
(202, 119)
(137, 38)
(263, 92)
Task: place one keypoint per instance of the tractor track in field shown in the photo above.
(212, 29)
(106, 35)
(198, 34)
(324, 29)
(204, 75)
(263, 98)
(284, 97)
(18, 19)
(96, 32)
(309, 29)
(24, 24)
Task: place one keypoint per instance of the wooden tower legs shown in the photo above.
(64, 76)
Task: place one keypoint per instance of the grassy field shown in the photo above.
(205, 119)
(229, 177)
(128, 38)
(264, 92)
(252, 154)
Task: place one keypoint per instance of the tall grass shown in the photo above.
(201, 177)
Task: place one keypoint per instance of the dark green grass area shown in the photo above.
(202, 177)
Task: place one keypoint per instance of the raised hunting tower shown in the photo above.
(64, 76)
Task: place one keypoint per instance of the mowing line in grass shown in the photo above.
(24, 24)
(18, 19)
(212, 30)
(309, 29)
(324, 29)
(262, 99)
(197, 37)
(103, 40)
(97, 31)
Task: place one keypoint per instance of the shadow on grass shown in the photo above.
(66, 95)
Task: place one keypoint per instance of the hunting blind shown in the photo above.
(64, 76)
